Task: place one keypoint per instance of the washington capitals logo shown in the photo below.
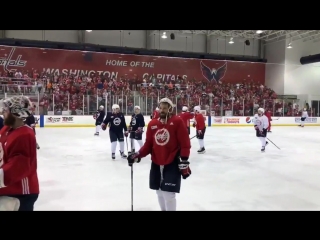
(213, 74)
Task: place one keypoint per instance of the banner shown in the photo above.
(308, 120)
(232, 120)
(133, 67)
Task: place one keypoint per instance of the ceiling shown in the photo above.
(269, 36)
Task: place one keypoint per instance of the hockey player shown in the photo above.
(168, 143)
(268, 115)
(19, 185)
(261, 124)
(99, 116)
(200, 125)
(304, 116)
(31, 122)
(155, 114)
(136, 128)
(117, 126)
(186, 117)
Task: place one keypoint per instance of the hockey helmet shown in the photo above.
(136, 107)
(261, 110)
(184, 108)
(115, 106)
(157, 109)
(167, 100)
(197, 109)
(304, 109)
(101, 107)
(19, 106)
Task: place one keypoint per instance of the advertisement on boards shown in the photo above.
(217, 119)
(232, 120)
(74, 62)
(53, 120)
(308, 120)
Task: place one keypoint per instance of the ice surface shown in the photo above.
(76, 172)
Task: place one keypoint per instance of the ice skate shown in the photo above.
(96, 134)
(113, 156)
(201, 150)
(38, 147)
(263, 149)
(123, 155)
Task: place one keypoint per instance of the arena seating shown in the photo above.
(82, 94)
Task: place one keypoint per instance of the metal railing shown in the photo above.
(57, 104)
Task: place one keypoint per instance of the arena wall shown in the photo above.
(88, 121)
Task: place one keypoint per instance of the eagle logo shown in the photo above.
(213, 74)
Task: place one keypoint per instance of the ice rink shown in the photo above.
(76, 172)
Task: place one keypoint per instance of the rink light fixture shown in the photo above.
(259, 31)
(231, 41)
(289, 45)
(89, 30)
(164, 35)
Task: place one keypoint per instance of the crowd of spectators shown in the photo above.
(82, 94)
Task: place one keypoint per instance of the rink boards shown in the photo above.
(88, 121)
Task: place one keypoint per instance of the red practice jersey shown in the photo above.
(268, 115)
(186, 116)
(155, 114)
(18, 161)
(164, 141)
(199, 121)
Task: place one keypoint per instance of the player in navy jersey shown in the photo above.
(99, 116)
(118, 129)
(136, 128)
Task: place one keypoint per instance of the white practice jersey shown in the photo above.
(261, 121)
(304, 114)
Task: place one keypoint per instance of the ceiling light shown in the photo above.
(289, 45)
(259, 31)
(231, 41)
(89, 30)
(164, 35)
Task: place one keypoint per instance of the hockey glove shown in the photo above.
(193, 125)
(139, 130)
(126, 133)
(103, 126)
(184, 168)
(256, 127)
(133, 158)
(262, 133)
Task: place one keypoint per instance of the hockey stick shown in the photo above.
(131, 177)
(273, 144)
(193, 137)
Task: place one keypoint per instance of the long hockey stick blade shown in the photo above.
(273, 144)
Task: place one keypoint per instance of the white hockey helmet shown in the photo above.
(184, 108)
(136, 107)
(197, 109)
(167, 100)
(157, 109)
(115, 106)
(261, 110)
(101, 107)
(19, 106)
(304, 109)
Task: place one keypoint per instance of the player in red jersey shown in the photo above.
(200, 124)
(168, 143)
(155, 114)
(268, 115)
(18, 155)
(186, 117)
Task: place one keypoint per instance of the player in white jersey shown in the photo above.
(304, 116)
(261, 124)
